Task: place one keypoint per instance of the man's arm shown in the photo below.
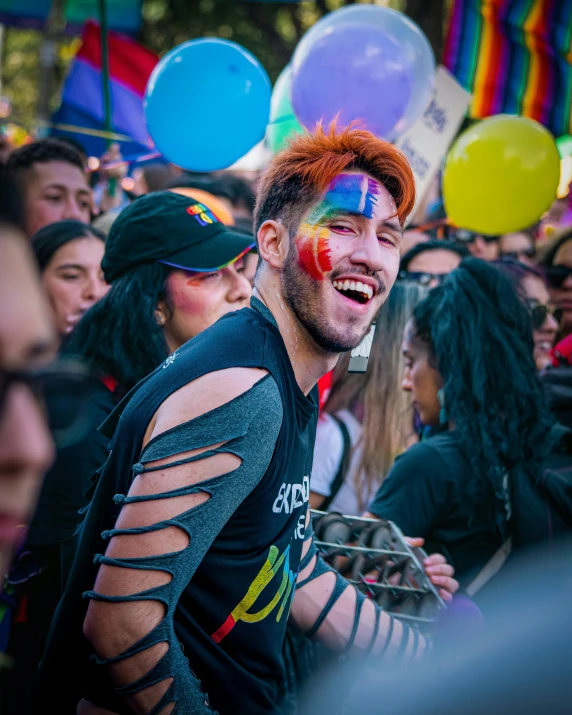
(161, 536)
(326, 606)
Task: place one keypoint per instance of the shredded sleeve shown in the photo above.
(189, 481)
(332, 610)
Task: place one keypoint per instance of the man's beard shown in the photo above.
(299, 292)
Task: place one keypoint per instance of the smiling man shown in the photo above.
(208, 548)
(53, 182)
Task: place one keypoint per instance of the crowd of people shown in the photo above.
(175, 396)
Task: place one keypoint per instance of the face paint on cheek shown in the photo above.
(313, 247)
(346, 194)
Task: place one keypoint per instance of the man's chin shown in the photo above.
(330, 339)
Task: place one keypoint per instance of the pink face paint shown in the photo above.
(314, 251)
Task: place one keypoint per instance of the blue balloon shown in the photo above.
(207, 104)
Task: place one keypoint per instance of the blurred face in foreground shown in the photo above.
(342, 261)
(26, 343)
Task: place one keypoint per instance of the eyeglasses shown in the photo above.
(63, 388)
(462, 235)
(556, 275)
(423, 279)
(517, 255)
(539, 313)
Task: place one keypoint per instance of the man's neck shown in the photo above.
(309, 361)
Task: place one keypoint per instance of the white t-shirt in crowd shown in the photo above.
(327, 457)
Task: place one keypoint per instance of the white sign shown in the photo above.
(427, 141)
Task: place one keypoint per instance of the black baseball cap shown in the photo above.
(168, 228)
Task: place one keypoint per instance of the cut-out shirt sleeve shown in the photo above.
(246, 427)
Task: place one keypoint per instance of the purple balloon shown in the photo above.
(357, 72)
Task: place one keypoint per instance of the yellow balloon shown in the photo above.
(501, 175)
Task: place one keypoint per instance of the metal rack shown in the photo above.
(376, 558)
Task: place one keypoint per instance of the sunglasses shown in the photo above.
(423, 279)
(539, 313)
(517, 255)
(462, 235)
(63, 389)
(556, 275)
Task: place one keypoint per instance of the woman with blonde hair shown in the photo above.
(367, 419)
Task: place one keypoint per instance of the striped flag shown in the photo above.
(515, 57)
(130, 65)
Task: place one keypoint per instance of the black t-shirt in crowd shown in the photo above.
(67, 482)
(234, 583)
(48, 549)
(428, 494)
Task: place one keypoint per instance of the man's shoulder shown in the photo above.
(237, 340)
(246, 327)
(203, 395)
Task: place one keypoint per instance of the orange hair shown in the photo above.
(303, 170)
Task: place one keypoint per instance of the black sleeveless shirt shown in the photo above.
(231, 614)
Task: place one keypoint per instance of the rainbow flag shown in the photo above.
(515, 57)
(130, 65)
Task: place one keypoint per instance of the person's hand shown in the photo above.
(439, 571)
(112, 165)
(112, 169)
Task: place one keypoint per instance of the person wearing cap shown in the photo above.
(171, 277)
(197, 547)
(173, 271)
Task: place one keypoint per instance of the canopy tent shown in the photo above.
(122, 15)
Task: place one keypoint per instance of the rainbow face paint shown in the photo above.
(352, 194)
(314, 250)
(347, 195)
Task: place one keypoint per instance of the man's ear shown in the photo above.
(273, 243)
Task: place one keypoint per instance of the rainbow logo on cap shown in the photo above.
(203, 214)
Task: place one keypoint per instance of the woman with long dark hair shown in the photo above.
(69, 257)
(122, 338)
(374, 410)
(477, 483)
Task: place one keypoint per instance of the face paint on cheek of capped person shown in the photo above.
(352, 194)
